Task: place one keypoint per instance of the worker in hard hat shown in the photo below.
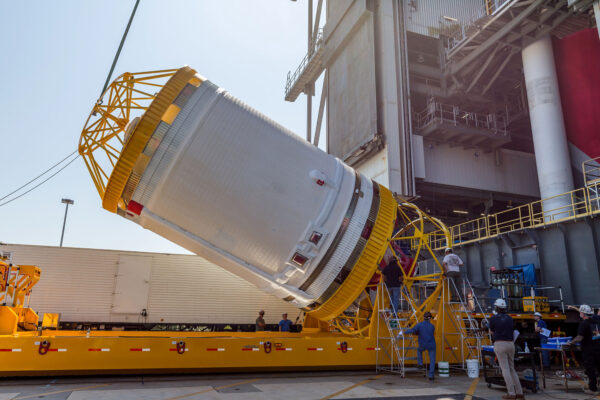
(542, 330)
(501, 326)
(426, 334)
(452, 268)
(590, 348)
(260, 321)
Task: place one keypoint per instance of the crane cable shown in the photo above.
(42, 182)
(112, 68)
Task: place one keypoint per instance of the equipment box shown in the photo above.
(537, 303)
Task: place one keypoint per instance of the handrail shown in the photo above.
(459, 32)
(576, 204)
(591, 170)
(317, 42)
(454, 115)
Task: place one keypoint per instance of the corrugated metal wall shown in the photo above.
(565, 254)
(507, 172)
(425, 16)
(79, 284)
(350, 59)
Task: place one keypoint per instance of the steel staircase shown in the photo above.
(463, 307)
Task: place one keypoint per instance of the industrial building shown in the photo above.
(470, 109)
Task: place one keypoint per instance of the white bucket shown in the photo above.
(444, 369)
(473, 368)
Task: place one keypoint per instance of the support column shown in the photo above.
(393, 99)
(547, 125)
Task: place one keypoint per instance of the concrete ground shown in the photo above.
(263, 386)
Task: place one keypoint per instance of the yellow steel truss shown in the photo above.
(415, 228)
(103, 136)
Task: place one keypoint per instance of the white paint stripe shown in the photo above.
(220, 349)
(145, 349)
(62, 350)
(16, 350)
(288, 349)
(104, 349)
(36, 343)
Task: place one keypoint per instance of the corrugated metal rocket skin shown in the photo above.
(228, 183)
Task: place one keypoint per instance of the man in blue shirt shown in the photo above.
(285, 325)
(426, 333)
(540, 325)
(501, 326)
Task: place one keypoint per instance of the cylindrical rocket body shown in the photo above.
(229, 184)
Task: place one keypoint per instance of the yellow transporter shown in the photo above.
(16, 283)
(176, 154)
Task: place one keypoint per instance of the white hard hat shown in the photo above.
(500, 303)
(584, 308)
(448, 249)
(537, 314)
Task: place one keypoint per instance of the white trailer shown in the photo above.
(111, 287)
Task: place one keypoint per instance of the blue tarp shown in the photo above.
(528, 273)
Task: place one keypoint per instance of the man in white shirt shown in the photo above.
(452, 268)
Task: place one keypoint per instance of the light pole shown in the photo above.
(67, 202)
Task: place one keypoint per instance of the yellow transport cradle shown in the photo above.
(336, 335)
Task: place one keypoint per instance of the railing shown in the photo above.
(577, 203)
(492, 6)
(591, 171)
(455, 34)
(292, 78)
(439, 112)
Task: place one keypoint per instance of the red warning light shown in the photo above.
(299, 259)
(315, 237)
(135, 207)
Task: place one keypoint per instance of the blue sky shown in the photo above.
(55, 58)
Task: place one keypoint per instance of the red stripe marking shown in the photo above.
(312, 349)
(370, 348)
(211, 349)
(94, 349)
(5, 349)
(246, 349)
(172, 349)
(52, 349)
(280, 349)
(135, 349)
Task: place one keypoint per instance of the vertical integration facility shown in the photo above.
(476, 110)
